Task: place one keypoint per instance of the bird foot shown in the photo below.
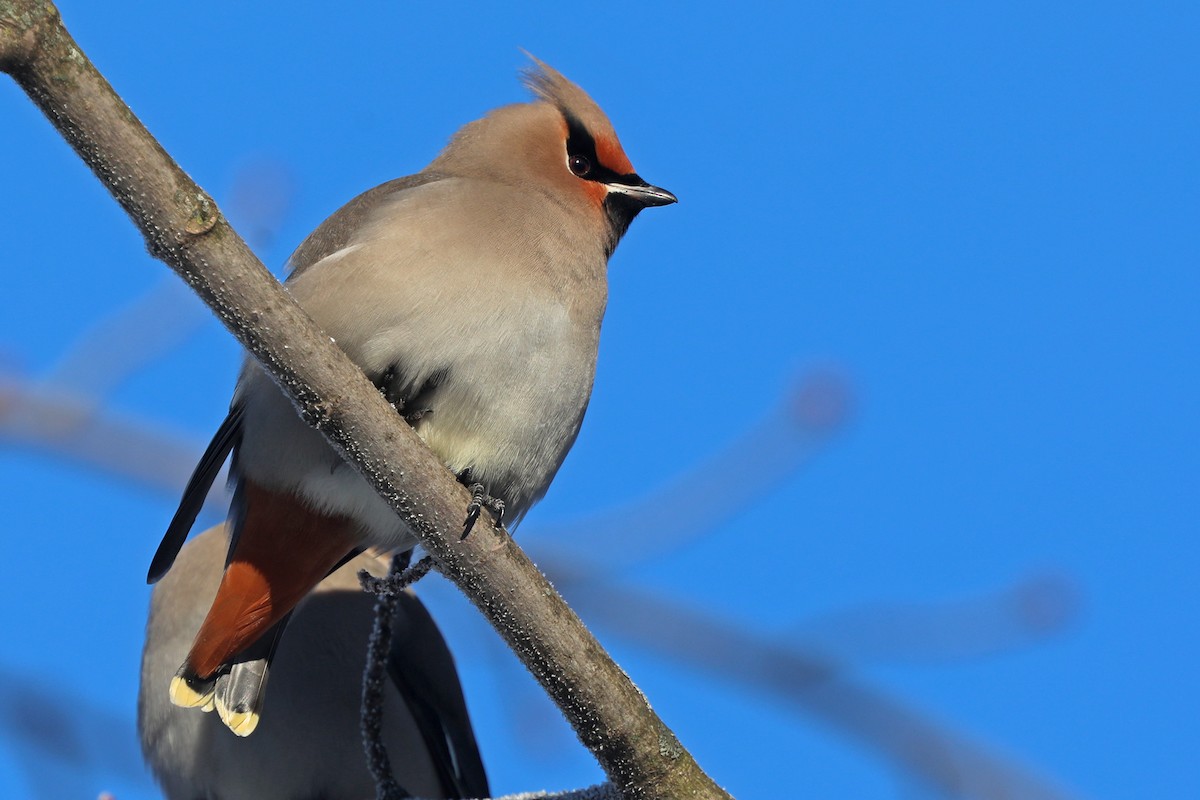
(413, 417)
(480, 499)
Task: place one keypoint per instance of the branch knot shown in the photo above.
(204, 216)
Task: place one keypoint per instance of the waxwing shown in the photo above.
(471, 294)
(308, 744)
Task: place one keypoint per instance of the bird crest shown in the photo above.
(579, 110)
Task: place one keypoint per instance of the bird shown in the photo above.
(309, 744)
(471, 294)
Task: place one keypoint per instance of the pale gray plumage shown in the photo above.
(472, 294)
(308, 744)
(504, 323)
(506, 346)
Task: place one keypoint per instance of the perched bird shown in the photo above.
(471, 294)
(309, 744)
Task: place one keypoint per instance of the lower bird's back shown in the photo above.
(308, 743)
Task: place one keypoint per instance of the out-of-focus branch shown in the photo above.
(1001, 621)
(183, 227)
(68, 424)
(710, 493)
(260, 198)
(946, 760)
(64, 744)
(125, 341)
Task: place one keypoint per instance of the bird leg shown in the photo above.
(411, 402)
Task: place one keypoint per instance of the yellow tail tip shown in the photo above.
(241, 723)
(183, 695)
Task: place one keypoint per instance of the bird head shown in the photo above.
(561, 144)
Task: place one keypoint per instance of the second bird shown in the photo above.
(472, 295)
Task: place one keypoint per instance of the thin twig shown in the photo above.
(387, 591)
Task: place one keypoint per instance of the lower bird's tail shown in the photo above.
(280, 550)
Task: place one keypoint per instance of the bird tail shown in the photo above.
(280, 550)
(239, 693)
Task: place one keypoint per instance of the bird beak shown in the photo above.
(643, 193)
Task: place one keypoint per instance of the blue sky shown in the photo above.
(983, 217)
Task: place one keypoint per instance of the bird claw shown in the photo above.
(480, 499)
(413, 417)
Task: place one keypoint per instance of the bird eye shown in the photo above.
(579, 165)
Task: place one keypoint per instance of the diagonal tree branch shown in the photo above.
(184, 228)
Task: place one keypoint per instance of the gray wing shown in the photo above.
(330, 236)
(336, 232)
(194, 495)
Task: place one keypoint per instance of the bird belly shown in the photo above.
(508, 415)
(511, 435)
(511, 381)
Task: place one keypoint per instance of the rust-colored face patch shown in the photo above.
(609, 151)
(596, 191)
